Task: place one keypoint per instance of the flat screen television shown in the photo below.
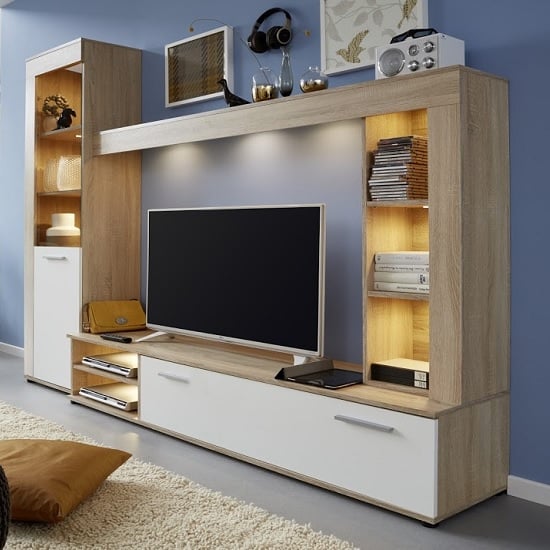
(251, 275)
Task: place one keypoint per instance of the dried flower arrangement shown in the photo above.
(54, 105)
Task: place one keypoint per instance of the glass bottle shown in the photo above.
(313, 80)
(286, 81)
(264, 85)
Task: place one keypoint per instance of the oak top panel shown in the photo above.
(423, 90)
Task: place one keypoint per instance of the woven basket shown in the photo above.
(62, 174)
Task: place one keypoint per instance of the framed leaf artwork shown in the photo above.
(352, 29)
(194, 66)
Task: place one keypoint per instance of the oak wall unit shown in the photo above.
(102, 84)
(427, 453)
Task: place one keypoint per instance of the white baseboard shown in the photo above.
(12, 350)
(529, 490)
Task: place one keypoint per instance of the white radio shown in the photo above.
(418, 54)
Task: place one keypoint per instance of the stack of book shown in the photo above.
(400, 169)
(402, 271)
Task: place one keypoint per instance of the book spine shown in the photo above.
(402, 268)
(402, 257)
(402, 287)
(415, 278)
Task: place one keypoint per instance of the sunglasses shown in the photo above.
(412, 33)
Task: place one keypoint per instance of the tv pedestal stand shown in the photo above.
(230, 400)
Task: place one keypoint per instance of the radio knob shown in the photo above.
(428, 62)
(413, 65)
(414, 49)
(429, 46)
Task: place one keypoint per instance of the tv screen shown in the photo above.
(248, 275)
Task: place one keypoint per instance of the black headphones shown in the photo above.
(274, 38)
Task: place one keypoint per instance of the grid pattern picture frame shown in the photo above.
(351, 30)
(194, 66)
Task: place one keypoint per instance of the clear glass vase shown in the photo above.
(264, 85)
(313, 80)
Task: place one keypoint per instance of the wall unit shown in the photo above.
(102, 84)
(425, 453)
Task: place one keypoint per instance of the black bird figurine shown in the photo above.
(65, 120)
(230, 98)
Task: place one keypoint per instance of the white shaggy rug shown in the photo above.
(143, 506)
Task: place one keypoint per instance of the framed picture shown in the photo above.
(194, 66)
(352, 29)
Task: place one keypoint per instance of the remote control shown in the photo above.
(114, 337)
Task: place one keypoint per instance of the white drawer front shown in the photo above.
(57, 297)
(382, 454)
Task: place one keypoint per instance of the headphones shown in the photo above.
(274, 38)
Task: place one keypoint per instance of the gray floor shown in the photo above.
(503, 522)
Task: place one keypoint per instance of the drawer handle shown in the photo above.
(365, 423)
(56, 258)
(176, 377)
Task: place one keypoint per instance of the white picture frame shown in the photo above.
(194, 66)
(352, 29)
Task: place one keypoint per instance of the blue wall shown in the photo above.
(500, 36)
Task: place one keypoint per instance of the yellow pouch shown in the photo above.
(115, 316)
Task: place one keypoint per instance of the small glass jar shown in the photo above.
(313, 80)
(264, 85)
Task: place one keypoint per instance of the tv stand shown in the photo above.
(229, 399)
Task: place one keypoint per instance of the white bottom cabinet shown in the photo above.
(57, 301)
(386, 456)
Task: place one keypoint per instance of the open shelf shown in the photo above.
(63, 134)
(105, 374)
(113, 411)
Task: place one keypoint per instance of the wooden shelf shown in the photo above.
(398, 295)
(63, 134)
(398, 204)
(405, 93)
(113, 411)
(76, 193)
(106, 374)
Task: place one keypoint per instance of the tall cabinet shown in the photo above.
(102, 85)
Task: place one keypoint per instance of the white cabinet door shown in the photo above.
(385, 455)
(57, 301)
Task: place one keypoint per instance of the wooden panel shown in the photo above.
(111, 228)
(485, 234)
(407, 93)
(112, 86)
(446, 256)
(473, 454)
(111, 197)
